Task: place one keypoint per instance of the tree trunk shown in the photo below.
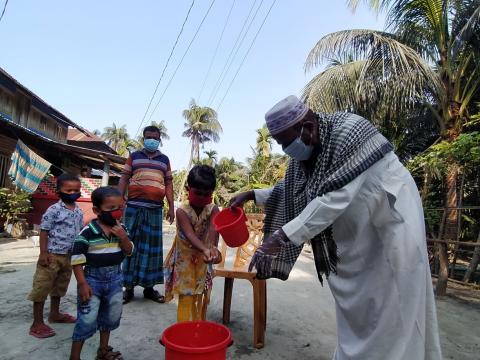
(441, 288)
(197, 151)
(180, 191)
(474, 263)
(459, 225)
(426, 182)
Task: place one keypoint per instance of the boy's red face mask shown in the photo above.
(199, 200)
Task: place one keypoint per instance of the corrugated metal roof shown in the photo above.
(62, 146)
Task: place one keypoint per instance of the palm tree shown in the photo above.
(201, 126)
(212, 157)
(163, 129)
(117, 138)
(264, 141)
(430, 57)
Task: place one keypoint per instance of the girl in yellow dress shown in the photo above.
(188, 264)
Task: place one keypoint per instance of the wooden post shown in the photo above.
(106, 172)
(472, 267)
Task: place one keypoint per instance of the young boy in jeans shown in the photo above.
(97, 254)
(60, 225)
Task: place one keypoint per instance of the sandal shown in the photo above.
(43, 332)
(64, 319)
(154, 295)
(128, 296)
(107, 353)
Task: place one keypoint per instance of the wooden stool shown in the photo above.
(240, 271)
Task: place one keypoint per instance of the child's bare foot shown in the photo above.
(61, 319)
(41, 331)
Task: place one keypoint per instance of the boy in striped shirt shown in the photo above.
(97, 254)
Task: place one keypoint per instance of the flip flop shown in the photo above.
(64, 319)
(42, 333)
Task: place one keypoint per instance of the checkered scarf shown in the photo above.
(350, 144)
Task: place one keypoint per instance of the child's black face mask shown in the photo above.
(69, 198)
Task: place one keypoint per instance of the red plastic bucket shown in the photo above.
(231, 225)
(196, 340)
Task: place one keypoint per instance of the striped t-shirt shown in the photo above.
(148, 176)
(93, 248)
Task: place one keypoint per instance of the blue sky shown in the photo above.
(98, 61)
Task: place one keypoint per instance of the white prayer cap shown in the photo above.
(285, 114)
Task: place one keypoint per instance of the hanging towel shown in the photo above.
(27, 169)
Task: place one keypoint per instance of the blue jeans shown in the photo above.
(104, 309)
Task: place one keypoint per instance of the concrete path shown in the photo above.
(301, 318)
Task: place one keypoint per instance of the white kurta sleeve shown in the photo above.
(322, 211)
(261, 195)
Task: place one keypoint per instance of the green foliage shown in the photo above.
(464, 152)
(178, 177)
(13, 202)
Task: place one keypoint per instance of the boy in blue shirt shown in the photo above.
(61, 223)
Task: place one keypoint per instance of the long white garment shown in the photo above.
(383, 292)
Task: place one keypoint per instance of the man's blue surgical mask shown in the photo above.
(298, 150)
(151, 144)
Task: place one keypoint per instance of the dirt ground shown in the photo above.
(301, 317)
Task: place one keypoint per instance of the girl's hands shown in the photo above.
(207, 255)
(217, 256)
(212, 256)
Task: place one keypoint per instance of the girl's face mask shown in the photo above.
(198, 201)
(298, 150)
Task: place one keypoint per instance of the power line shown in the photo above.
(238, 49)
(231, 52)
(4, 8)
(181, 60)
(246, 54)
(215, 52)
(165, 67)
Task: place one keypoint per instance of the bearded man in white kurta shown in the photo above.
(346, 193)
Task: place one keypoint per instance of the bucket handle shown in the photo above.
(163, 344)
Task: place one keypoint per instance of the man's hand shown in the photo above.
(119, 231)
(266, 253)
(171, 214)
(240, 199)
(273, 244)
(85, 291)
(45, 259)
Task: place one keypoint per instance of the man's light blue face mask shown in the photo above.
(298, 150)
(151, 144)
